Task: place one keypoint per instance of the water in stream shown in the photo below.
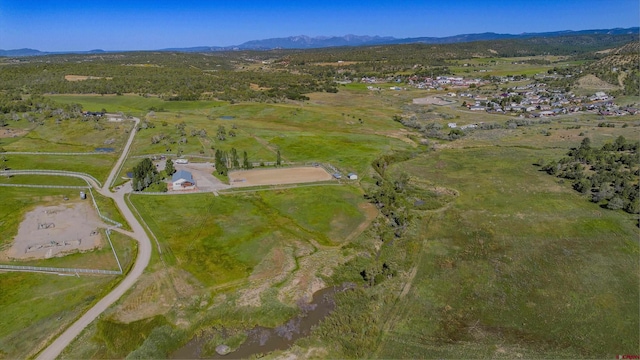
(263, 340)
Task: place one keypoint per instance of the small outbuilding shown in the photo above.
(352, 176)
(183, 180)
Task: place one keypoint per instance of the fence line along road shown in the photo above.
(51, 172)
(47, 186)
(56, 153)
(59, 270)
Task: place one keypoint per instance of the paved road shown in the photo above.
(142, 260)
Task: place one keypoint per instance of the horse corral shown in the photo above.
(50, 231)
(278, 176)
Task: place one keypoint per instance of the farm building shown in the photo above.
(182, 161)
(183, 180)
(352, 176)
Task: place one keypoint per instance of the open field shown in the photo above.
(515, 264)
(36, 307)
(293, 175)
(219, 274)
(134, 104)
(97, 165)
(68, 136)
(219, 251)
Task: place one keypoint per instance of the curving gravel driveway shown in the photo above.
(142, 260)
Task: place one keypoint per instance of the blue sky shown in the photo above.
(145, 25)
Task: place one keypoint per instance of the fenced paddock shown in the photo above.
(278, 176)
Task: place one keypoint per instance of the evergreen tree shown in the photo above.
(169, 168)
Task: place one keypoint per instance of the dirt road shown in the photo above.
(142, 260)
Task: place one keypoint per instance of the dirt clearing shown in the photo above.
(432, 100)
(9, 133)
(49, 231)
(278, 176)
(83, 77)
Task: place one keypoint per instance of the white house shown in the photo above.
(182, 180)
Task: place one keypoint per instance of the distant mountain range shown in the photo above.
(306, 42)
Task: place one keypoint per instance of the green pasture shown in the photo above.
(71, 136)
(518, 265)
(134, 104)
(221, 239)
(37, 306)
(336, 215)
(98, 165)
(42, 180)
(312, 133)
(109, 209)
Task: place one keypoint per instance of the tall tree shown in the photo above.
(234, 158)
(169, 168)
(245, 161)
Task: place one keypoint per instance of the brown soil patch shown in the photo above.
(49, 231)
(432, 100)
(274, 268)
(10, 133)
(308, 278)
(337, 63)
(277, 176)
(253, 86)
(153, 295)
(83, 77)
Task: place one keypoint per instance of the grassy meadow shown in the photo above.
(214, 250)
(214, 273)
(519, 266)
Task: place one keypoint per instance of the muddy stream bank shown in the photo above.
(262, 340)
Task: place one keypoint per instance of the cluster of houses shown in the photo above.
(93, 113)
(441, 82)
(535, 100)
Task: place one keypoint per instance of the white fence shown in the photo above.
(47, 186)
(60, 173)
(59, 270)
(56, 153)
(50, 172)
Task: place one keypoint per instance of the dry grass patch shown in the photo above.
(11, 133)
(593, 82)
(84, 77)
